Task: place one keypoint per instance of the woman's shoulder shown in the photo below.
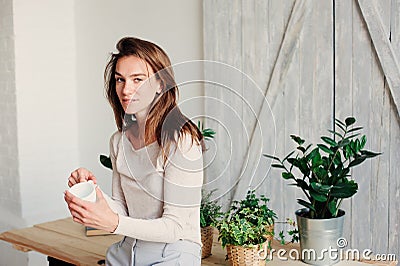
(114, 140)
(115, 137)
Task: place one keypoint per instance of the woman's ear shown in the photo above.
(159, 87)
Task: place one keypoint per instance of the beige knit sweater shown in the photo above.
(156, 201)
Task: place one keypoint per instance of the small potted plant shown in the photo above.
(323, 174)
(210, 213)
(246, 228)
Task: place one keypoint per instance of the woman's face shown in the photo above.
(136, 85)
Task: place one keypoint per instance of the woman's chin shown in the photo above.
(130, 111)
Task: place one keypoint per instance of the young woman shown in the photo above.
(156, 157)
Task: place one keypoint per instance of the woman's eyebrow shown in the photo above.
(132, 75)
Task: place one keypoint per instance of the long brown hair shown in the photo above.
(165, 121)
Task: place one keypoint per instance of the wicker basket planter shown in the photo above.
(244, 230)
(207, 241)
(244, 256)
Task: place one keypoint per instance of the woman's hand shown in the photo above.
(81, 175)
(94, 214)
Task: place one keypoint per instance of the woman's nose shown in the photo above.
(129, 88)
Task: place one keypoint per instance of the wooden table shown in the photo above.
(65, 240)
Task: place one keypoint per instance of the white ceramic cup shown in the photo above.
(84, 190)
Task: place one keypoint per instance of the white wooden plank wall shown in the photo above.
(330, 69)
(344, 78)
(380, 171)
(361, 99)
(394, 143)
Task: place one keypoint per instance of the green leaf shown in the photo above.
(336, 133)
(357, 161)
(337, 160)
(370, 154)
(320, 172)
(363, 141)
(271, 157)
(354, 129)
(302, 184)
(329, 141)
(309, 145)
(105, 161)
(303, 167)
(274, 165)
(314, 153)
(286, 175)
(337, 121)
(351, 136)
(297, 139)
(282, 238)
(320, 188)
(337, 173)
(302, 149)
(344, 190)
(325, 148)
(294, 161)
(340, 125)
(358, 145)
(332, 208)
(306, 204)
(343, 143)
(202, 220)
(349, 121)
(318, 196)
(208, 133)
(347, 152)
(287, 156)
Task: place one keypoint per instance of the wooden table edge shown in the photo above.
(26, 248)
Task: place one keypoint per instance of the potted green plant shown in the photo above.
(210, 213)
(246, 228)
(323, 174)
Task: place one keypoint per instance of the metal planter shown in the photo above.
(318, 238)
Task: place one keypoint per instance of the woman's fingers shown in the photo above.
(80, 175)
(71, 181)
(99, 194)
(75, 203)
(95, 214)
(84, 174)
(93, 178)
(73, 178)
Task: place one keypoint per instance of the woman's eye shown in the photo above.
(137, 80)
(119, 80)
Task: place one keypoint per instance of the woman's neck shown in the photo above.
(141, 130)
(137, 132)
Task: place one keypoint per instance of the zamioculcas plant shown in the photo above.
(323, 172)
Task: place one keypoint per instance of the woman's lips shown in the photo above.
(128, 101)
